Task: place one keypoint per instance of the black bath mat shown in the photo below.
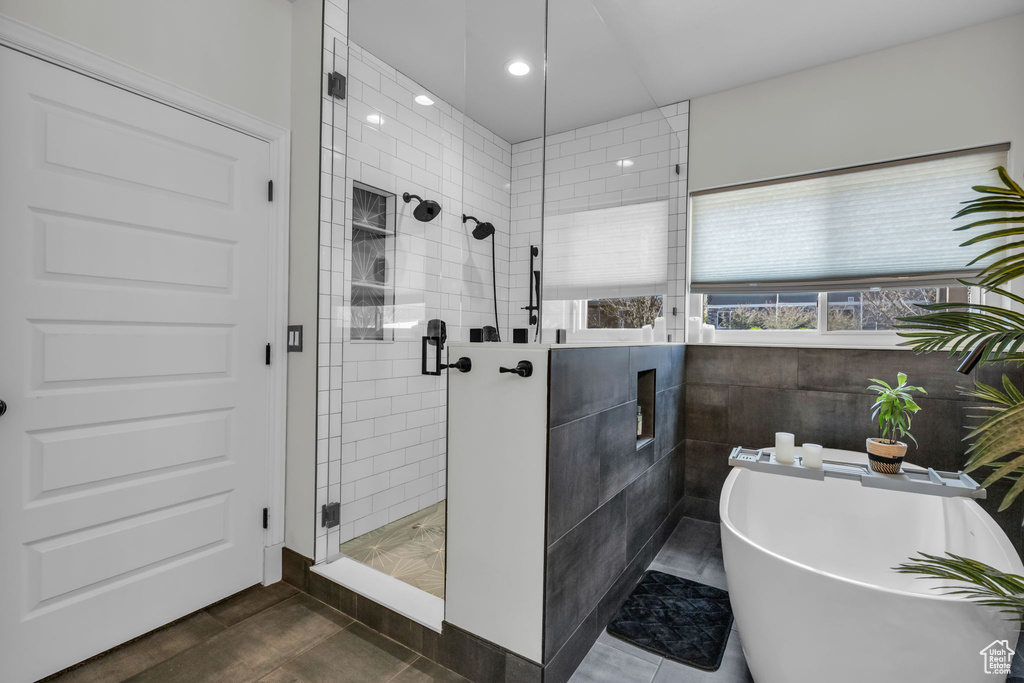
(681, 620)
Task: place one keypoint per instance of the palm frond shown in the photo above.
(1009, 201)
(998, 441)
(985, 584)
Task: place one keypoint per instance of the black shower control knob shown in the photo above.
(3, 407)
(462, 365)
(523, 368)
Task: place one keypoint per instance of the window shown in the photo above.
(372, 250)
(623, 313)
(836, 254)
(607, 253)
(874, 310)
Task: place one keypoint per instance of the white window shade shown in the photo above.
(607, 253)
(887, 226)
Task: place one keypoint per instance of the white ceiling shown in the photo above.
(610, 58)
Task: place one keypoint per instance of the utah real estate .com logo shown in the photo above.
(997, 657)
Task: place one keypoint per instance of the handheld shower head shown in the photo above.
(427, 209)
(482, 230)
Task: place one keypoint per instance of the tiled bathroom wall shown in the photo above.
(741, 396)
(381, 440)
(612, 499)
(393, 417)
(582, 174)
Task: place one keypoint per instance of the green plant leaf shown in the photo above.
(976, 581)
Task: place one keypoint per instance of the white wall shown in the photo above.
(237, 52)
(961, 89)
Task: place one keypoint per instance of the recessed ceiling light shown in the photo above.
(624, 163)
(518, 67)
(375, 119)
(424, 100)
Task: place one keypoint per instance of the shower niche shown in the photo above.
(646, 384)
(373, 247)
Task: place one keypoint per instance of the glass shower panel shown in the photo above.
(417, 241)
(394, 297)
(613, 204)
(504, 122)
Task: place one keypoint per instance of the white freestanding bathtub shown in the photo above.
(808, 565)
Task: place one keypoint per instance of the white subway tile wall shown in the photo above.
(584, 172)
(380, 423)
(385, 425)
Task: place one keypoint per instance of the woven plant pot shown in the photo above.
(884, 457)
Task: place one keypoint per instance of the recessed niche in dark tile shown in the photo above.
(646, 415)
(586, 381)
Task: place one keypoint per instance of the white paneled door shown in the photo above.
(133, 323)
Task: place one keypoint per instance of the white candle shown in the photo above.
(811, 456)
(784, 449)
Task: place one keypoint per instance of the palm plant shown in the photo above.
(975, 580)
(984, 334)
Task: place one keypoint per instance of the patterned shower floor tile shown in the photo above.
(410, 549)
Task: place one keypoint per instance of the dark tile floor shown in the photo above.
(694, 551)
(274, 634)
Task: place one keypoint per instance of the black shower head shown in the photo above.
(482, 230)
(427, 209)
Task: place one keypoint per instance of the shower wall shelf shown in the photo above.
(927, 481)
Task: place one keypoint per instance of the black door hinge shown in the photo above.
(336, 85)
(270, 190)
(266, 518)
(330, 515)
(268, 354)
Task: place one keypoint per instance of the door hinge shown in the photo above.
(336, 85)
(330, 515)
(266, 518)
(270, 190)
(268, 355)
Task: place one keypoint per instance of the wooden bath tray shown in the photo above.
(928, 481)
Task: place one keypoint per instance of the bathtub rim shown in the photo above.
(726, 521)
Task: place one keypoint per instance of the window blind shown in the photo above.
(883, 226)
(607, 253)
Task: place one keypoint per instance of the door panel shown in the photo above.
(133, 319)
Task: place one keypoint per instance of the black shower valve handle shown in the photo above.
(462, 364)
(523, 368)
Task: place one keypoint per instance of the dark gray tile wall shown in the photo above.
(741, 396)
(610, 505)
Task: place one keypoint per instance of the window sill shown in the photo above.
(805, 345)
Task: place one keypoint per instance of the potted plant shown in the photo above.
(893, 409)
